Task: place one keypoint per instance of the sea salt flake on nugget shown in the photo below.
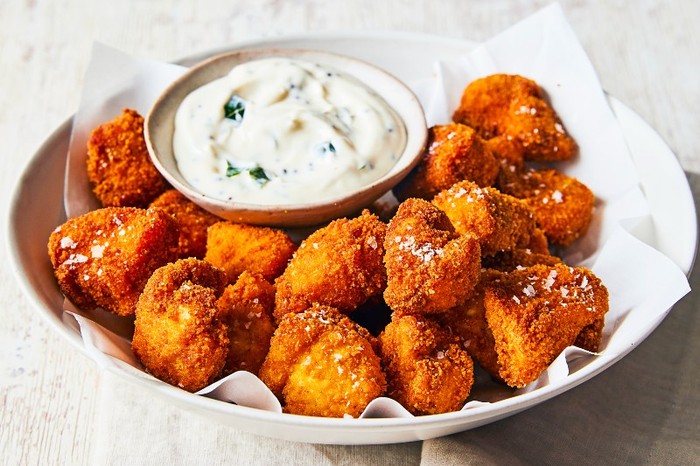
(118, 165)
(236, 248)
(339, 265)
(454, 153)
(535, 313)
(178, 335)
(105, 257)
(427, 371)
(511, 112)
(430, 268)
(500, 222)
(322, 364)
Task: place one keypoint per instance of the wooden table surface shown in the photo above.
(57, 407)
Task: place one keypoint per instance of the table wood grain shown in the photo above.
(57, 407)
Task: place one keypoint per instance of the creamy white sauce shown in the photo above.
(306, 133)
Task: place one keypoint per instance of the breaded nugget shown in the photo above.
(512, 112)
(246, 308)
(518, 258)
(468, 323)
(104, 258)
(322, 364)
(535, 313)
(591, 336)
(118, 165)
(178, 336)
(454, 153)
(339, 265)
(430, 268)
(192, 220)
(426, 369)
(500, 222)
(236, 248)
(563, 206)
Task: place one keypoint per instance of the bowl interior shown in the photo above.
(159, 129)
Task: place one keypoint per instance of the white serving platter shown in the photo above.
(37, 208)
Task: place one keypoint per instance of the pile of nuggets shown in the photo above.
(396, 303)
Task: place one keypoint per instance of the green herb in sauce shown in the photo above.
(259, 175)
(234, 109)
(325, 147)
(232, 170)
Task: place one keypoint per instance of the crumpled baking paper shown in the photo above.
(643, 283)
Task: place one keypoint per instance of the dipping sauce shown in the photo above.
(285, 131)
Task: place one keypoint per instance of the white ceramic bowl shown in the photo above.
(160, 125)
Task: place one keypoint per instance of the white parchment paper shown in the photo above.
(643, 283)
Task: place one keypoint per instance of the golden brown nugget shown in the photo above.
(430, 268)
(467, 322)
(178, 336)
(118, 165)
(563, 206)
(339, 265)
(536, 312)
(591, 336)
(454, 153)
(104, 258)
(511, 112)
(322, 364)
(192, 220)
(236, 248)
(246, 308)
(500, 222)
(518, 258)
(427, 371)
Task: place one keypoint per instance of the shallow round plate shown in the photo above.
(38, 208)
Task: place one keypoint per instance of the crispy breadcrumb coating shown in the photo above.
(118, 165)
(518, 258)
(563, 206)
(500, 222)
(104, 258)
(322, 364)
(178, 335)
(339, 265)
(246, 308)
(468, 322)
(192, 220)
(454, 153)
(430, 268)
(535, 313)
(513, 114)
(591, 336)
(236, 248)
(427, 370)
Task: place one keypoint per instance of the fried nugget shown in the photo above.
(339, 265)
(192, 220)
(500, 222)
(246, 308)
(535, 313)
(563, 206)
(427, 371)
(591, 336)
(322, 364)
(104, 258)
(512, 113)
(178, 336)
(454, 153)
(118, 165)
(430, 268)
(508, 261)
(467, 322)
(236, 248)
